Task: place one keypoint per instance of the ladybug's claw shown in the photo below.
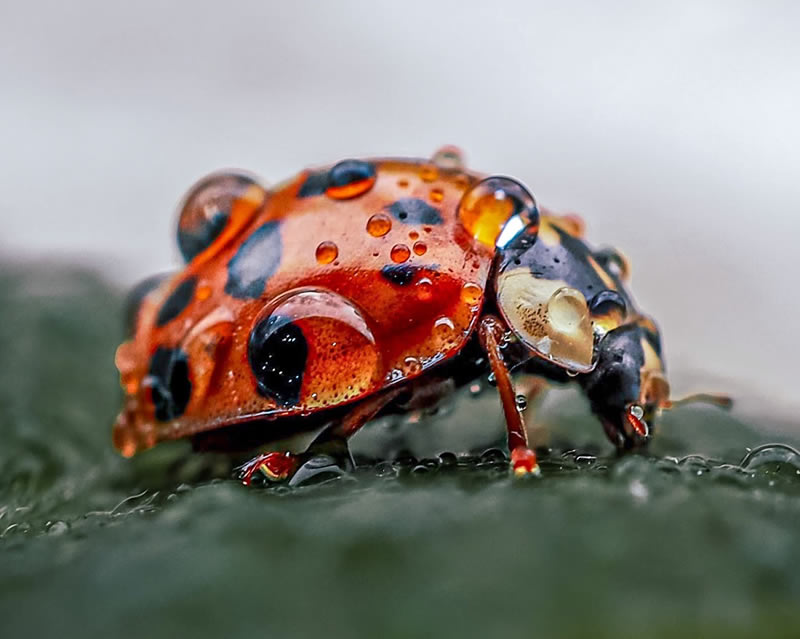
(523, 463)
(270, 467)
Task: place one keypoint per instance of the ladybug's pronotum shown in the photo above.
(369, 287)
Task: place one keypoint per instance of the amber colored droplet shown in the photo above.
(437, 195)
(427, 229)
(379, 225)
(420, 248)
(496, 209)
(203, 292)
(327, 252)
(429, 173)
(471, 293)
(413, 235)
(424, 289)
(400, 253)
(402, 183)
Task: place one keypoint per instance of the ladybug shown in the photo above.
(369, 287)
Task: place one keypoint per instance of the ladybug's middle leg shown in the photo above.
(328, 455)
(523, 459)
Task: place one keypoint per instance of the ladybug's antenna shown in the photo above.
(717, 399)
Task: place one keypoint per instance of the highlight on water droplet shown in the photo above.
(400, 253)
(327, 252)
(420, 248)
(496, 210)
(521, 402)
(448, 157)
(471, 293)
(379, 225)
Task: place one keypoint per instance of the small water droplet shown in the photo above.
(521, 401)
(411, 366)
(436, 195)
(471, 293)
(428, 173)
(57, 527)
(400, 253)
(327, 252)
(203, 292)
(379, 225)
(475, 389)
(424, 289)
(420, 248)
(448, 157)
(413, 235)
(444, 328)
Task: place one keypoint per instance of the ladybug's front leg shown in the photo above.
(523, 459)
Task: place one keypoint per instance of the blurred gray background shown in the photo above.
(673, 129)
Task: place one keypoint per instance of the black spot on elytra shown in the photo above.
(349, 172)
(169, 383)
(277, 353)
(177, 301)
(255, 262)
(193, 242)
(400, 274)
(134, 299)
(412, 210)
(315, 184)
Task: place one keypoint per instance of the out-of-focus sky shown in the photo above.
(672, 127)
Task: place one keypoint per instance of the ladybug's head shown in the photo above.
(624, 390)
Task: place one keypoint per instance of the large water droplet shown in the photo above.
(218, 201)
(313, 347)
(497, 209)
(349, 179)
(567, 310)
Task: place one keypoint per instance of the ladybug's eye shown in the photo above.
(615, 262)
(496, 210)
(210, 206)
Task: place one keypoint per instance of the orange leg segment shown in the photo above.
(523, 459)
